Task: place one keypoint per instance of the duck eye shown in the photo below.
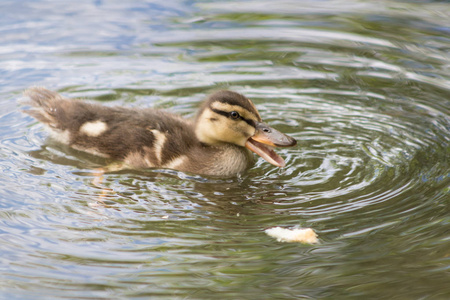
(234, 115)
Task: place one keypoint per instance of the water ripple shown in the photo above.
(368, 105)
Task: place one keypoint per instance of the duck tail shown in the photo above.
(45, 105)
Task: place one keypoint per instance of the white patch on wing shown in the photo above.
(160, 140)
(94, 128)
(176, 162)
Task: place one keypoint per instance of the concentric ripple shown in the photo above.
(363, 86)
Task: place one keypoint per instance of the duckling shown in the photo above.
(217, 142)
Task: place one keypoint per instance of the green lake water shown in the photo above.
(364, 86)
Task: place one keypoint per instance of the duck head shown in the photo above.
(229, 117)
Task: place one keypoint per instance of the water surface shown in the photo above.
(363, 86)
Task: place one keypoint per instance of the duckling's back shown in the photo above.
(142, 138)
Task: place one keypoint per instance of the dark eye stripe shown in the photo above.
(227, 114)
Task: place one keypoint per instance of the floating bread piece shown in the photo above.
(296, 235)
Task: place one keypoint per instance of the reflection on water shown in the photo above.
(362, 86)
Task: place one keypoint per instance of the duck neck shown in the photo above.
(221, 160)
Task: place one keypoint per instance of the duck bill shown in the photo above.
(265, 139)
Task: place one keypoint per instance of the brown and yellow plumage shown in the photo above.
(215, 143)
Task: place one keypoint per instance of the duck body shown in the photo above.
(215, 143)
